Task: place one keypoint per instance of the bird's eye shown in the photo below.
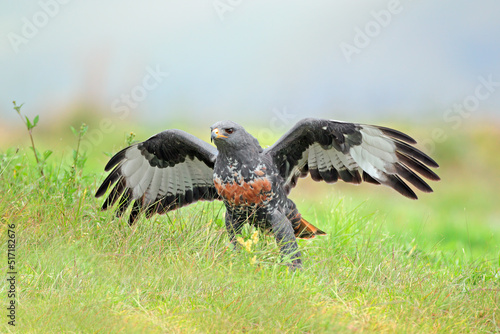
(229, 131)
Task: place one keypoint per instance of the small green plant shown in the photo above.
(30, 125)
(130, 138)
(79, 158)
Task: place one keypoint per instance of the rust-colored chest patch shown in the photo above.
(239, 192)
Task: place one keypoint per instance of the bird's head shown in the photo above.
(228, 134)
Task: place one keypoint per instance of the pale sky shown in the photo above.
(237, 59)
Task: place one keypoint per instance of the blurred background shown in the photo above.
(353, 60)
(429, 68)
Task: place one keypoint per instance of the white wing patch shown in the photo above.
(154, 187)
(327, 159)
(131, 166)
(169, 182)
(323, 161)
(150, 182)
(376, 155)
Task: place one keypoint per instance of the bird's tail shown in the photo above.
(306, 230)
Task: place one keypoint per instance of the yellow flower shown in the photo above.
(248, 245)
(240, 241)
(253, 260)
(255, 237)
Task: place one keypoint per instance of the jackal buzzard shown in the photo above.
(173, 169)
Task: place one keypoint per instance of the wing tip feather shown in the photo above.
(397, 134)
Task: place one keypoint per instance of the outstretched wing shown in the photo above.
(332, 150)
(167, 171)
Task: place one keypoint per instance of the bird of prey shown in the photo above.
(173, 169)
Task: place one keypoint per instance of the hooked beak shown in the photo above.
(216, 134)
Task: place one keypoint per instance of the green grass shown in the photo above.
(387, 264)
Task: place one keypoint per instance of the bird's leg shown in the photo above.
(233, 227)
(285, 238)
